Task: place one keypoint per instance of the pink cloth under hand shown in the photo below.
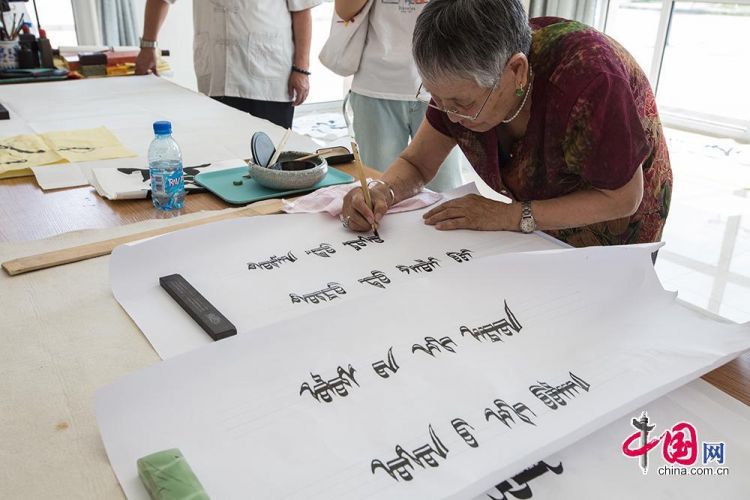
(331, 200)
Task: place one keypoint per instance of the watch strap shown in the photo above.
(148, 44)
(527, 223)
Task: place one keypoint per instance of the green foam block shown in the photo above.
(167, 476)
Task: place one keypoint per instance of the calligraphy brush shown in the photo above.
(17, 29)
(280, 147)
(5, 26)
(308, 157)
(363, 182)
(36, 13)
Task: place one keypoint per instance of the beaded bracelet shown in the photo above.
(300, 70)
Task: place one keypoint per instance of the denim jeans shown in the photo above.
(383, 128)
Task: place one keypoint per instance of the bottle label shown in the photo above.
(168, 189)
(168, 183)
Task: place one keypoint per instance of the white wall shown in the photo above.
(177, 36)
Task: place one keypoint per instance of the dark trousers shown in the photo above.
(280, 113)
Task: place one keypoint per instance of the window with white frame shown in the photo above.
(695, 56)
(56, 17)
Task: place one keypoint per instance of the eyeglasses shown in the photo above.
(425, 97)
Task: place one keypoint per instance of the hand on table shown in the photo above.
(471, 212)
(145, 63)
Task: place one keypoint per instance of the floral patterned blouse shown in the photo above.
(593, 122)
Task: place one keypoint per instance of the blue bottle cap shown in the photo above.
(162, 128)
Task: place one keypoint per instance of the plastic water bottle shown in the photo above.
(165, 166)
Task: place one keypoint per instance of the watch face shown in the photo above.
(528, 225)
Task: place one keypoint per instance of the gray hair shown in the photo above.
(469, 39)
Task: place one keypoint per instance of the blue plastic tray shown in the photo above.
(221, 183)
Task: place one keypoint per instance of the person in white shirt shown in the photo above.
(386, 110)
(253, 55)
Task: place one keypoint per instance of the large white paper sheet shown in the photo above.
(531, 351)
(215, 259)
(206, 130)
(595, 466)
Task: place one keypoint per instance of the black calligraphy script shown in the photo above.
(332, 291)
(433, 345)
(324, 390)
(273, 262)
(382, 367)
(555, 397)
(362, 241)
(492, 331)
(504, 412)
(376, 278)
(518, 485)
(323, 250)
(463, 256)
(426, 454)
(462, 429)
(420, 265)
(19, 150)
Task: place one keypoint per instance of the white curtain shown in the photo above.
(591, 12)
(88, 27)
(118, 22)
(105, 22)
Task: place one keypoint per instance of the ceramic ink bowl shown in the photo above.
(288, 174)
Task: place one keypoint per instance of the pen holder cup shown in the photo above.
(9, 54)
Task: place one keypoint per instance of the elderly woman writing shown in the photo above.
(549, 112)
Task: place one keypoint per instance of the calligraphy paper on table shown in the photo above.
(87, 144)
(452, 385)
(595, 467)
(260, 270)
(21, 152)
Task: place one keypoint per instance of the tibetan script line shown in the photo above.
(424, 455)
(273, 262)
(324, 390)
(491, 331)
(333, 291)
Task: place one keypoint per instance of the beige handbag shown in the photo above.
(342, 51)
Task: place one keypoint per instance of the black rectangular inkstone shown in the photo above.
(206, 315)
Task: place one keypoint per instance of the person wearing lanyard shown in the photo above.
(252, 55)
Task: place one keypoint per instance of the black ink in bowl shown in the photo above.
(295, 165)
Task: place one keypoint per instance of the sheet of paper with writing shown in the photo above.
(455, 383)
(87, 144)
(260, 270)
(596, 467)
(21, 152)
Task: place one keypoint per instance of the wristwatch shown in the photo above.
(148, 44)
(528, 224)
